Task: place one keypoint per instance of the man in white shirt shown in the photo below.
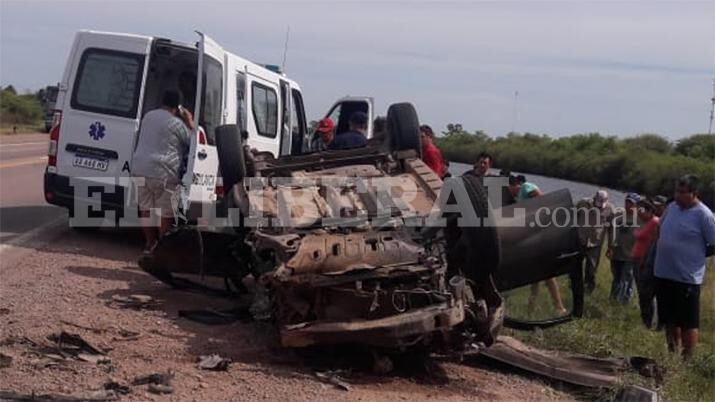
(158, 159)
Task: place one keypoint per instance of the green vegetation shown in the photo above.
(609, 329)
(648, 164)
(21, 111)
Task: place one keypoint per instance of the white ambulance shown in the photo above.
(112, 80)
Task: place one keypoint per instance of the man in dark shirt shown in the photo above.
(355, 137)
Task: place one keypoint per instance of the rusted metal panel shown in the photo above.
(338, 253)
(568, 367)
(394, 331)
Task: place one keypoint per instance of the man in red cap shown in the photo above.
(325, 134)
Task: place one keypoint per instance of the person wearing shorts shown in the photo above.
(686, 239)
(678, 304)
(162, 146)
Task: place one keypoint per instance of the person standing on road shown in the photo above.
(594, 215)
(161, 149)
(355, 137)
(686, 239)
(620, 244)
(430, 154)
(645, 281)
(522, 190)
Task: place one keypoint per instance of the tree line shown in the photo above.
(19, 109)
(648, 164)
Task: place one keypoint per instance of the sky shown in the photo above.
(618, 68)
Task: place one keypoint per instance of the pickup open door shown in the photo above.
(341, 111)
(539, 243)
(202, 165)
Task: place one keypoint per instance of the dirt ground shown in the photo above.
(69, 285)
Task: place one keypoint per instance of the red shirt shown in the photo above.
(432, 158)
(643, 236)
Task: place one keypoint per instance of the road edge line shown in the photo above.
(32, 235)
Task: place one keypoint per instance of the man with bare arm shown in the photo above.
(161, 149)
(686, 239)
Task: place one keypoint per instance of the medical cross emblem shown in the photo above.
(96, 131)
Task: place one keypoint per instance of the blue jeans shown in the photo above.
(622, 285)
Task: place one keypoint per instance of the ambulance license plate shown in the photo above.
(90, 163)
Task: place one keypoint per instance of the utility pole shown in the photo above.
(712, 109)
(515, 115)
(285, 50)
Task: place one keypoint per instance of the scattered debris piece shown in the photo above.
(5, 360)
(137, 302)
(54, 356)
(80, 326)
(214, 362)
(18, 340)
(634, 393)
(125, 335)
(73, 343)
(92, 358)
(572, 368)
(117, 387)
(154, 378)
(216, 317)
(332, 377)
(647, 368)
(158, 383)
(75, 346)
(160, 389)
(87, 396)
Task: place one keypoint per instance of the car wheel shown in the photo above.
(403, 128)
(476, 250)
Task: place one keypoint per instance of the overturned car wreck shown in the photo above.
(369, 246)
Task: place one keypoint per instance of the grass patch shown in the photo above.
(611, 329)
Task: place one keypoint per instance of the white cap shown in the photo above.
(600, 198)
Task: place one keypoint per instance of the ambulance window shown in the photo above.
(241, 100)
(108, 82)
(211, 100)
(265, 109)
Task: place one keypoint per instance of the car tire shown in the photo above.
(474, 249)
(232, 163)
(403, 128)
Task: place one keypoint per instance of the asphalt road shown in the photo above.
(22, 203)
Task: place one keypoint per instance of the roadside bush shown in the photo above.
(19, 109)
(647, 163)
(701, 146)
